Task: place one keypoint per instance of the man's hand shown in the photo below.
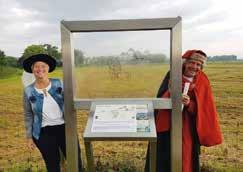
(185, 100)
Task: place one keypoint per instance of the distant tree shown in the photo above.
(53, 51)
(157, 58)
(45, 49)
(29, 51)
(2, 54)
(20, 62)
(11, 61)
(223, 58)
(2, 58)
(138, 55)
(79, 57)
(142, 57)
(32, 50)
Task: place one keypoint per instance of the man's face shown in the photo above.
(40, 70)
(192, 67)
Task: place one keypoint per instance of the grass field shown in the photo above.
(133, 81)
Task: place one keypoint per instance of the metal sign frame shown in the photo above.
(150, 136)
(72, 104)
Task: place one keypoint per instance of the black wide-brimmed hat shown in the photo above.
(27, 63)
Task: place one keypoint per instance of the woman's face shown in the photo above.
(192, 67)
(40, 70)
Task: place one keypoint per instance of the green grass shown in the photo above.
(139, 81)
(134, 81)
(6, 72)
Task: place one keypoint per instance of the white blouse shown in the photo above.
(51, 112)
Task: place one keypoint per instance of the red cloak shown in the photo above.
(207, 124)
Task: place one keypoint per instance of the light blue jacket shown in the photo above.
(33, 105)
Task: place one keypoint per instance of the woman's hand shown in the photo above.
(185, 100)
(30, 143)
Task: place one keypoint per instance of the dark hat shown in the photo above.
(27, 63)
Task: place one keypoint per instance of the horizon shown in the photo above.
(167, 56)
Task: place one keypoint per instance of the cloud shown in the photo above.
(205, 22)
(117, 42)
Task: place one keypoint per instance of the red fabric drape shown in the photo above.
(207, 124)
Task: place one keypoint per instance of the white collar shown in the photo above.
(188, 78)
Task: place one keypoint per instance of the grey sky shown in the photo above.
(212, 25)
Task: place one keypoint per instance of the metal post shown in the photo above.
(89, 156)
(153, 154)
(69, 111)
(176, 87)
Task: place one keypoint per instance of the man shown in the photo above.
(199, 116)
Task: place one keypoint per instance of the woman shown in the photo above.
(43, 112)
(199, 116)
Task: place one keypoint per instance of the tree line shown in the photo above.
(131, 56)
(223, 58)
(28, 51)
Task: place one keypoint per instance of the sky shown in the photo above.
(214, 26)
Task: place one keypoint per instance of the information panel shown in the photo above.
(121, 118)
